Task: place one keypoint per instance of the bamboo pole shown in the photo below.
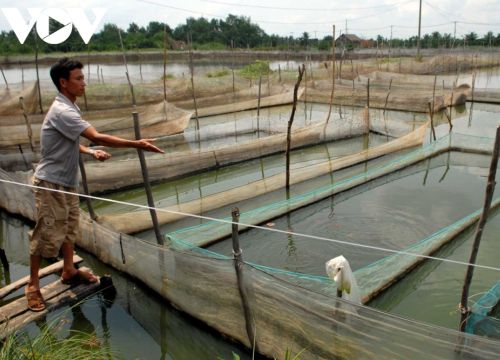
(22, 74)
(140, 152)
(311, 71)
(147, 185)
(305, 87)
(4, 78)
(3, 259)
(85, 101)
(333, 75)
(85, 184)
(88, 63)
(37, 74)
(368, 94)
(29, 131)
(431, 114)
(302, 69)
(165, 62)
(448, 116)
(232, 62)
(472, 99)
(191, 69)
(102, 76)
(140, 64)
(22, 154)
(258, 100)
(434, 94)
(126, 69)
(490, 188)
(279, 73)
(238, 266)
(268, 81)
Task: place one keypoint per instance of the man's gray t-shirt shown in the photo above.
(60, 143)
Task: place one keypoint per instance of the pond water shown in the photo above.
(393, 215)
(138, 322)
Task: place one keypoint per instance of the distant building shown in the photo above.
(348, 40)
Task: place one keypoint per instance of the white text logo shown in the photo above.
(66, 17)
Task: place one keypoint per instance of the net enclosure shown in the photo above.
(275, 309)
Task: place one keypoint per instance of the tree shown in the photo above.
(471, 38)
(489, 39)
(304, 40)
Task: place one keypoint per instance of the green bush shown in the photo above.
(255, 70)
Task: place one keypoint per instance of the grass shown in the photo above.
(47, 346)
(219, 73)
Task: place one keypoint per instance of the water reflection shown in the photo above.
(134, 321)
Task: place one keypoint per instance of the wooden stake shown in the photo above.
(305, 87)
(88, 64)
(3, 259)
(4, 78)
(232, 62)
(145, 177)
(165, 62)
(126, 69)
(311, 71)
(302, 69)
(37, 73)
(472, 99)
(333, 76)
(140, 64)
(85, 101)
(29, 131)
(238, 266)
(191, 69)
(85, 184)
(448, 116)
(490, 188)
(434, 94)
(235, 213)
(258, 99)
(431, 114)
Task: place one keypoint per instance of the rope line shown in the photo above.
(229, 222)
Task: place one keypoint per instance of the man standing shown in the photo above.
(58, 213)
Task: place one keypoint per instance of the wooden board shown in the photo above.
(48, 270)
(16, 314)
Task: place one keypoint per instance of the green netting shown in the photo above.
(373, 278)
(287, 310)
(204, 234)
(480, 320)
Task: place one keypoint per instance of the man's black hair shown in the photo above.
(62, 68)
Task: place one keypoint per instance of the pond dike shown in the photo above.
(285, 311)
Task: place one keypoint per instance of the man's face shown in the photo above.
(75, 85)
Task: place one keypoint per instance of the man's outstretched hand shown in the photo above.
(101, 155)
(147, 145)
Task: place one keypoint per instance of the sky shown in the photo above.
(365, 18)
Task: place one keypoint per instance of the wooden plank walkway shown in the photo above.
(16, 314)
